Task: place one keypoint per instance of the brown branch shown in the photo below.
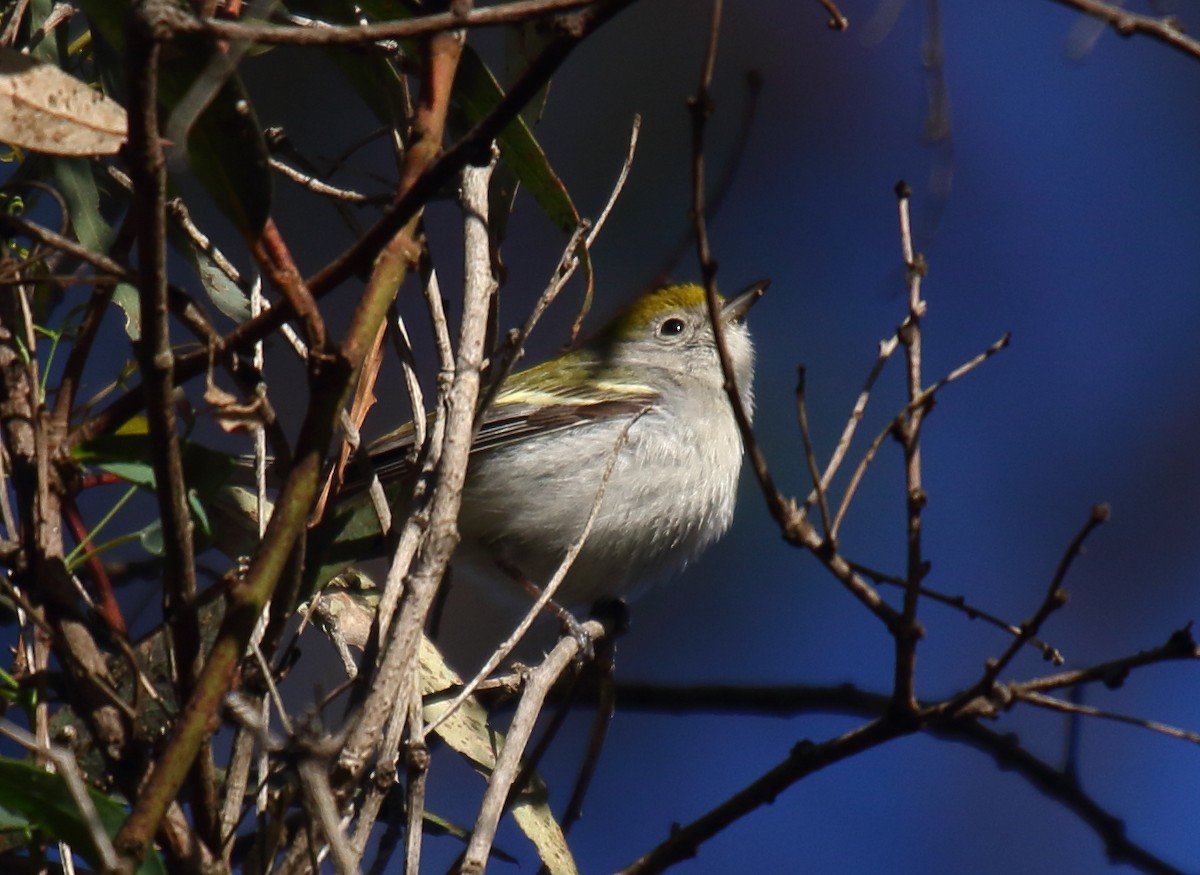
(108, 607)
(573, 29)
(329, 35)
(1180, 645)
(275, 260)
(508, 761)
(330, 372)
(147, 170)
(924, 399)
(886, 348)
(1055, 598)
(1165, 30)
(908, 429)
(845, 699)
(1063, 788)
(1051, 703)
(810, 456)
(394, 683)
(700, 108)
(958, 602)
(805, 759)
(837, 21)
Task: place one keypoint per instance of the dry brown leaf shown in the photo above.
(46, 110)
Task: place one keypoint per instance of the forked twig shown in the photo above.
(1054, 599)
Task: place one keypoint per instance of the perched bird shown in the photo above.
(648, 387)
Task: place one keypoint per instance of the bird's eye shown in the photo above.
(671, 328)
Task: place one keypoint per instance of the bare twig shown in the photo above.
(923, 399)
(395, 683)
(837, 21)
(439, 172)
(68, 769)
(908, 429)
(1166, 30)
(1112, 674)
(810, 456)
(886, 348)
(803, 760)
(508, 762)
(329, 35)
(147, 168)
(1063, 788)
(317, 186)
(1049, 652)
(1053, 704)
(700, 107)
(322, 807)
(1055, 598)
(583, 238)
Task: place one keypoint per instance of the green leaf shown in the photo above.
(476, 93)
(370, 74)
(32, 799)
(225, 145)
(125, 296)
(128, 457)
(226, 295)
(151, 538)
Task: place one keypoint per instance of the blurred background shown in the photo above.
(1058, 199)
(1056, 195)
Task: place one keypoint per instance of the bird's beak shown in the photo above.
(737, 307)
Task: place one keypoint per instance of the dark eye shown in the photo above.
(671, 327)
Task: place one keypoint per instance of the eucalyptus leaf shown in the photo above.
(225, 145)
(32, 799)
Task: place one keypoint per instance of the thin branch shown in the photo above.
(1166, 30)
(1054, 704)
(886, 348)
(908, 429)
(508, 761)
(803, 760)
(924, 399)
(1055, 598)
(1063, 788)
(958, 602)
(810, 456)
(68, 769)
(395, 682)
(700, 107)
(322, 807)
(1180, 645)
(583, 237)
(331, 35)
(316, 186)
(147, 167)
(837, 21)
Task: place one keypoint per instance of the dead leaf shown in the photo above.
(46, 110)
